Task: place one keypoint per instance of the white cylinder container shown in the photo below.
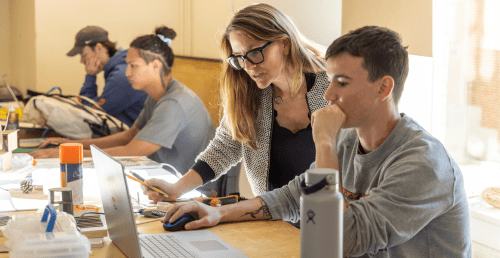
(321, 211)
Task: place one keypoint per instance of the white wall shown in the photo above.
(319, 21)
(198, 24)
(416, 100)
(4, 38)
(58, 21)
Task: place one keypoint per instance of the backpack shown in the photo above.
(70, 118)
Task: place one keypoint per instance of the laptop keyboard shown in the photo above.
(163, 245)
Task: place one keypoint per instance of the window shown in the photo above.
(466, 104)
(491, 21)
(466, 84)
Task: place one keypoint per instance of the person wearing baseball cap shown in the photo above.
(98, 54)
(174, 126)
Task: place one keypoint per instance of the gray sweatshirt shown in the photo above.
(406, 198)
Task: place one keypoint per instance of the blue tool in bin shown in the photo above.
(37, 233)
(53, 216)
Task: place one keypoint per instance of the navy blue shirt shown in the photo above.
(118, 98)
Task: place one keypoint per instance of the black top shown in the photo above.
(291, 154)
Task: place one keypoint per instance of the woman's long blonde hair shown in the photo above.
(239, 93)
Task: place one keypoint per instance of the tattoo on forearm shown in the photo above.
(264, 208)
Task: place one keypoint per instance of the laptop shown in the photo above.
(122, 228)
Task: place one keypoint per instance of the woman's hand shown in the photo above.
(45, 153)
(49, 153)
(156, 197)
(54, 140)
(209, 216)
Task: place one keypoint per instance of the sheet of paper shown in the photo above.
(138, 162)
(15, 174)
(6, 202)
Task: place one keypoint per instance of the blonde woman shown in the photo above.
(272, 80)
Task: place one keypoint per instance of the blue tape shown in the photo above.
(53, 215)
(54, 88)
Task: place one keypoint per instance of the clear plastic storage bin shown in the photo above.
(34, 235)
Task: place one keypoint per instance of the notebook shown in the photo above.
(122, 229)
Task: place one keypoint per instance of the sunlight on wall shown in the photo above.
(491, 24)
(57, 23)
(416, 100)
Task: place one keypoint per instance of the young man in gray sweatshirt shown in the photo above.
(404, 193)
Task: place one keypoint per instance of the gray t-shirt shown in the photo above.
(179, 122)
(406, 198)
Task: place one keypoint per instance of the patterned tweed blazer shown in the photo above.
(224, 152)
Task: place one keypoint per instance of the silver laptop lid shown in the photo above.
(116, 202)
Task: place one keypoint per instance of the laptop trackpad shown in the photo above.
(208, 245)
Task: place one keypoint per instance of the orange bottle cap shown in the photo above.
(71, 153)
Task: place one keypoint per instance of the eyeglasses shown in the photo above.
(254, 56)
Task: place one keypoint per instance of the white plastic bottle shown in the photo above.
(321, 214)
(13, 119)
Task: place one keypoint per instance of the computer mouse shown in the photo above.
(180, 222)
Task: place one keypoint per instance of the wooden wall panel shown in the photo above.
(201, 76)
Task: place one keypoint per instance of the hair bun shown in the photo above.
(166, 32)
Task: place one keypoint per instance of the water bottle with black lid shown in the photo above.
(321, 214)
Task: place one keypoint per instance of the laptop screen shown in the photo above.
(121, 223)
(116, 202)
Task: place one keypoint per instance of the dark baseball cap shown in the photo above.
(88, 36)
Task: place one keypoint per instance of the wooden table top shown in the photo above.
(253, 238)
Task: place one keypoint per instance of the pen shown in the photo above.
(152, 187)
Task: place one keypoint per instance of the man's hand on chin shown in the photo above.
(326, 124)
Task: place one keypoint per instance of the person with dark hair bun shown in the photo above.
(99, 54)
(174, 118)
(174, 126)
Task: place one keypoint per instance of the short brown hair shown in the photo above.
(110, 46)
(382, 52)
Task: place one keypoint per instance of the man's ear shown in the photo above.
(385, 88)
(157, 65)
(98, 47)
(101, 50)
